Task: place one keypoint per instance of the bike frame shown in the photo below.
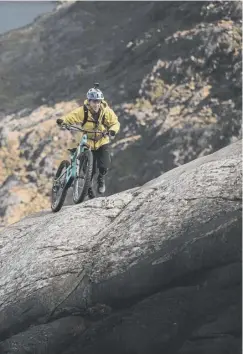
(72, 169)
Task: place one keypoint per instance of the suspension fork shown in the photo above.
(76, 162)
(81, 148)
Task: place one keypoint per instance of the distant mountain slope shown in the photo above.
(171, 70)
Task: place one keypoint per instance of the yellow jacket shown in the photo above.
(107, 121)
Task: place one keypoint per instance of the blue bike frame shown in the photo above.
(73, 168)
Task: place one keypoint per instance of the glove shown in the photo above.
(112, 133)
(59, 121)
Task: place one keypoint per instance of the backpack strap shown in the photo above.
(86, 112)
(103, 121)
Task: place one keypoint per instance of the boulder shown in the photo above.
(154, 269)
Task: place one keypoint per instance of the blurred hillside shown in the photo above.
(171, 70)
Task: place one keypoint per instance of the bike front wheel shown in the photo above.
(59, 188)
(83, 178)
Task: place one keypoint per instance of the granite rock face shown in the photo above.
(154, 269)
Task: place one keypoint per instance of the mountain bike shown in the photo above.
(77, 173)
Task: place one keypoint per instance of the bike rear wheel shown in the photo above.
(83, 179)
(59, 188)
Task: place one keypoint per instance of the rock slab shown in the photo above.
(155, 269)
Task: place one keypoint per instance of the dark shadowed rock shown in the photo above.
(155, 269)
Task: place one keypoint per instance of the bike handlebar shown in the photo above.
(74, 127)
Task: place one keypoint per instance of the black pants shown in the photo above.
(101, 159)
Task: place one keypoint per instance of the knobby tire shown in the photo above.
(56, 204)
(86, 158)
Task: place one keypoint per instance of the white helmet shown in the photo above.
(95, 94)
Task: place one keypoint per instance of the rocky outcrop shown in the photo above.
(171, 71)
(155, 269)
(189, 103)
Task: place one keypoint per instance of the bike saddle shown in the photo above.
(72, 150)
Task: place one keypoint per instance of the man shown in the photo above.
(95, 114)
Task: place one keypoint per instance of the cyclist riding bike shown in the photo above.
(95, 114)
